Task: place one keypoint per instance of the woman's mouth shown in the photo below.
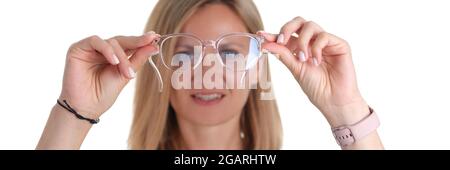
(207, 98)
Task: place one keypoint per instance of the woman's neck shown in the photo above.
(206, 137)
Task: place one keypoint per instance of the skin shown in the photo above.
(329, 82)
(215, 126)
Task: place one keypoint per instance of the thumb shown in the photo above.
(285, 56)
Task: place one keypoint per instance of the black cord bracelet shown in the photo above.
(71, 110)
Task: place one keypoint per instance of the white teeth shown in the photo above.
(208, 97)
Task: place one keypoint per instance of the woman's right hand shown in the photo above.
(97, 70)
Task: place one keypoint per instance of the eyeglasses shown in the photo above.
(235, 51)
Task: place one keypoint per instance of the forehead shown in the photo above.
(213, 20)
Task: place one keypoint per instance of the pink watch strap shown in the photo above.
(348, 134)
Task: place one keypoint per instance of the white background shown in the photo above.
(400, 49)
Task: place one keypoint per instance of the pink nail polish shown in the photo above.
(315, 62)
(301, 56)
(131, 72)
(115, 59)
(280, 39)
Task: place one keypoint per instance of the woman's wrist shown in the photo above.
(346, 114)
(350, 114)
(63, 130)
(69, 119)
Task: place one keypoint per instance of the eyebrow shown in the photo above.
(231, 45)
(184, 46)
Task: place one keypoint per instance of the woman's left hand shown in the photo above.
(322, 65)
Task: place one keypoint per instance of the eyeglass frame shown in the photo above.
(205, 43)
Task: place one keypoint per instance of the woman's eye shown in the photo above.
(183, 53)
(228, 53)
(181, 57)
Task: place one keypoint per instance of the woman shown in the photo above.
(97, 70)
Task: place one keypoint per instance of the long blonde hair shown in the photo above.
(154, 124)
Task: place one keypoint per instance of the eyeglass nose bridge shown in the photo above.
(208, 43)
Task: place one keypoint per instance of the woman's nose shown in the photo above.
(210, 55)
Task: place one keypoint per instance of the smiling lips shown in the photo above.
(207, 98)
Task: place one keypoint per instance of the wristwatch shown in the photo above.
(349, 134)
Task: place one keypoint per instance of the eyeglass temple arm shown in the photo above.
(150, 60)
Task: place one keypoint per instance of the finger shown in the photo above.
(134, 42)
(140, 57)
(321, 41)
(324, 40)
(125, 67)
(285, 56)
(129, 52)
(289, 28)
(95, 43)
(305, 35)
(268, 36)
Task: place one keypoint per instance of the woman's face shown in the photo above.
(210, 106)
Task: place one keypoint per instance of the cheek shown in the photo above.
(239, 80)
(239, 97)
(176, 100)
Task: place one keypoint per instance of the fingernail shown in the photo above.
(315, 62)
(280, 39)
(115, 60)
(301, 56)
(264, 51)
(131, 72)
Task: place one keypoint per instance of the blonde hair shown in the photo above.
(154, 124)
